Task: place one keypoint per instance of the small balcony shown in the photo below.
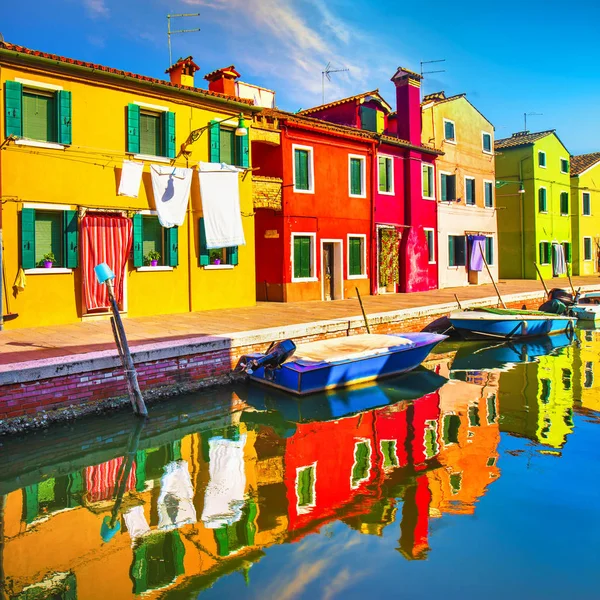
(266, 192)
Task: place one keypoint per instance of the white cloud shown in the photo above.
(96, 8)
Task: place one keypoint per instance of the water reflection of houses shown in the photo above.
(586, 377)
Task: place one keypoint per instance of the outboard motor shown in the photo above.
(275, 356)
(558, 302)
(561, 295)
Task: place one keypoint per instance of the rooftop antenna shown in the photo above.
(428, 62)
(170, 33)
(327, 73)
(531, 114)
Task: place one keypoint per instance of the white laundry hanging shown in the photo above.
(131, 178)
(176, 501)
(171, 189)
(220, 191)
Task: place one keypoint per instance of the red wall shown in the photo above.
(343, 114)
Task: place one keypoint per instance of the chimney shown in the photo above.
(223, 80)
(182, 72)
(408, 105)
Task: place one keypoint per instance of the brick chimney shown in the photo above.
(182, 72)
(223, 80)
(408, 105)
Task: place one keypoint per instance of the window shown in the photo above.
(587, 248)
(448, 185)
(564, 203)
(455, 483)
(489, 249)
(40, 113)
(587, 204)
(470, 191)
(542, 159)
(457, 250)
(150, 237)
(474, 420)
(544, 253)
(567, 250)
(362, 463)
(305, 486)
(486, 142)
(356, 256)
(303, 170)
(372, 119)
(451, 429)
(588, 381)
(488, 192)
(152, 132)
(356, 172)
(430, 440)
(566, 379)
(49, 231)
(546, 390)
(302, 257)
(389, 453)
(386, 174)
(427, 181)
(492, 413)
(542, 200)
(564, 165)
(430, 238)
(449, 131)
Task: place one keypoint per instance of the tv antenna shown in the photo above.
(531, 114)
(170, 33)
(428, 62)
(327, 73)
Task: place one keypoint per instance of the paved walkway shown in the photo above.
(19, 345)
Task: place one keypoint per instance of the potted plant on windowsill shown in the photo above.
(48, 259)
(152, 258)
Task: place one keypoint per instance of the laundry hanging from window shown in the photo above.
(104, 238)
(219, 188)
(131, 178)
(559, 263)
(171, 189)
(477, 252)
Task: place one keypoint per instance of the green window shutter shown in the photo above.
(232, 255)
(355, 256)
(302, 256)
(461, 251)
(28, 238)
(13, 108)
(489, 250)
(470, 191)
(355, 177)
(444, 179)
(215, 142)
(49, 236)
(138, 237)
(168, 131)
(227, 146)
(151, 142)
(382, 174)
(368, 118)
(242, 144)
(204, 252)
(172, 246)
(133, 129)
(152, 237)
(568, 252)
(449, 130)
(301, 181)
(451, 187)
(71, 234)
(39, 116)
(451, 251)
(451, 427)
(64, 117)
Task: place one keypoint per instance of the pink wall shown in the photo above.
(408, 102)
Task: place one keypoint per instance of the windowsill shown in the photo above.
(544, 264)
(51, 271)
(157, 268)
(428, 197)
(488, 152)
(583, 215)
(297, 191)
(364, 276)
(542, 166)
(542, 212)
(38, 144)
(564, 172)
(432, 262)
(489, 207)
(217, 267)
(357, 195)
(304, 279)
(160, 159)
(453, 142)
(392, 193)
(470, 204)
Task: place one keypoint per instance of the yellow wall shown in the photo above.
(86, 174)
(585, 226)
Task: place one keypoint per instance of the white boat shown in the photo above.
(587, 307)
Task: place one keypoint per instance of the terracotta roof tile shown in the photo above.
(440, 97)
(521, 138)
(582, 162)
(342, 101)
(80, 63)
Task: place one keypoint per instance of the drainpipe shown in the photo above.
(522, 217)
(374, 236)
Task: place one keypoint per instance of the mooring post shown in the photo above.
(363, 311)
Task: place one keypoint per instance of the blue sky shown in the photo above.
(510, 57)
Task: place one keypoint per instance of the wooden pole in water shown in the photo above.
(363, 311)
(2, 526)
(490, 274)
(135, 394)
(570, 282)
(458, 301)
(542, 279)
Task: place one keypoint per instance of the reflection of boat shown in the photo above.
(338, 403)
(481, 356)
(341, 362)
(508, 324)
(587, 307)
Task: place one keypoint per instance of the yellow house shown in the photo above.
(67, 128)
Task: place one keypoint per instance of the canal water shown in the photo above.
(477, 477)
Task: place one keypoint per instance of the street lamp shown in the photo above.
(501, 183)
(240, 131)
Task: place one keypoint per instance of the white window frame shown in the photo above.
(426, 229)
(313, 253)
(391, 158)
(491, 150)
(545, 165)
(152, 107)
(583, 214)
(542, 212)
(449, 174)
(591, 258)
(545, 242)
(363, 172)
(311, 168)
(492, 183)
(454, 127)
(308, 507)
(431, 167)
(361, 441)
(363, 275)
(470, 178)
(560, 162)
(491, 237)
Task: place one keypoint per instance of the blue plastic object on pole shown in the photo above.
(103, 273)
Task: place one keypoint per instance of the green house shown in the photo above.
(534, 204)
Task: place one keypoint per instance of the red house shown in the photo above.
(313, 204)
(403, 251)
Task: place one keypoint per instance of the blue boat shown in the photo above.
(497, 323)
(340, 362)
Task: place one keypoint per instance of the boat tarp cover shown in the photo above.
(506, 311)
(347, 348)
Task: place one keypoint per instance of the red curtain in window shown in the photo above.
(104, 238)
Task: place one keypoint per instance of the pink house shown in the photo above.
(404, 213)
